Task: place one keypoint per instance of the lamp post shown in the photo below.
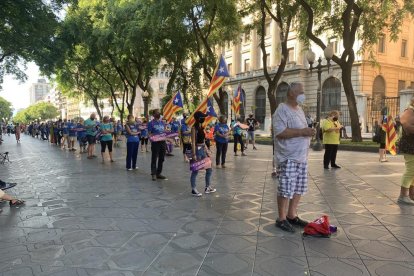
(310, 56)
(145, 98)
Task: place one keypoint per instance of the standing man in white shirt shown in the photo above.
(292, 139)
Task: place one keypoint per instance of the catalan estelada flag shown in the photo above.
(237, 101)
(390, 134)
(211, 113)
(220, 73)
(173, 105)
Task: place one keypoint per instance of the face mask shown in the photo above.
(335, 118)
(301, 99)
(185, 117)
(201, 120)
(157, 116)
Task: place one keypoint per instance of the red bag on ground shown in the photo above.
(318, 228)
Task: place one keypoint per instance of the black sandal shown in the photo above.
(17, 202)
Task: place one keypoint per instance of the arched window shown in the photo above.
(378, 93)
(260, 102)
(243, 106)
(281, 92)
(226, 103)
(331, 95)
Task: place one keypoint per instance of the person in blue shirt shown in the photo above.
(81, 132)
(158, 149)
(72, 135)
(238, 138)
(106, 128)
(185, 133)
(221, 136)
(132, 134)
(144, 135)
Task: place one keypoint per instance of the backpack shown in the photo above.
(318, 228)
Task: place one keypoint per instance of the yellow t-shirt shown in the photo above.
(330, 137)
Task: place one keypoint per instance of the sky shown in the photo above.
(18, 93)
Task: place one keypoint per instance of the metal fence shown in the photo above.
(344, 117)
(377, 107)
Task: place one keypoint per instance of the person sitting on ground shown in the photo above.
(12, 201)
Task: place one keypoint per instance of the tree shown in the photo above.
(26, 29)
(283, 13)
(6, 110)
(349, 20)
(212, 23)
(41, 110)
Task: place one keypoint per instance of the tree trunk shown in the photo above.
(350, 96)
(271, 96)
(220, 101)
(98, 109)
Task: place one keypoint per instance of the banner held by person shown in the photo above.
(390, 134)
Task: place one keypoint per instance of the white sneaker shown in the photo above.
(209, 190)
(196, 193)
(405, 200)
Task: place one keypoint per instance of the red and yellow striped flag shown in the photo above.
(172, 106)
(390, 134)
(220, 73)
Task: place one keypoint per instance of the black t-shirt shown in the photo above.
(251, 122)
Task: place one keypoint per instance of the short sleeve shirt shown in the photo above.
(331, 137)
(156, 127)
(251, 122)
(296, 148)
(92, 130)
(222, 129)
(106, 127)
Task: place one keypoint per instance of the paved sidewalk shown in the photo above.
(87, 218)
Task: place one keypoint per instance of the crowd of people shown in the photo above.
(158, 134)
(291, 131)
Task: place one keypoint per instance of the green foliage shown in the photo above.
(42, 110)
(6, 110)
(27, 30)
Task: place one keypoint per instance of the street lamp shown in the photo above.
(310, 56)
(145, 98)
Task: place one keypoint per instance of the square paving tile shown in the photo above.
(233, 244)
(385, 268)
(273, 265)
(227, 264)
(382, 250)
(337, 267)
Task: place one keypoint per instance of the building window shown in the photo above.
(229, 68)
(401, 85)
(331, 95)
(404, 48)
(381, 44)
(378, 93)
(260, 102)
(281, 93)
(291, 55)
(412, 85)
(246, 65)
(161, 86)
(243, 105)
(267, 29)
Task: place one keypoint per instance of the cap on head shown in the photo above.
(199, 115)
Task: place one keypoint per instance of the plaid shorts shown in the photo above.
(293, 178)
